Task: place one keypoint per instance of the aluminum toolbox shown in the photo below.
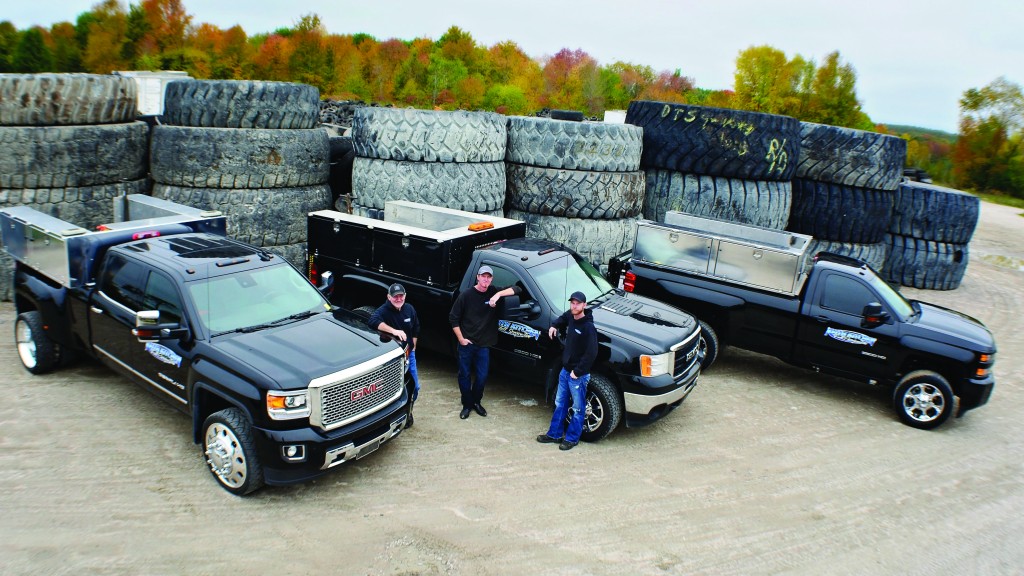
(427, 243)
(763, 258)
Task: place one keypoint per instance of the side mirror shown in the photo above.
(326, 286)
(514, 309)
(149, 329)
(873, 315)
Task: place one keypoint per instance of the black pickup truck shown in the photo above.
(754, 288)
(649, 354)
(280, 385)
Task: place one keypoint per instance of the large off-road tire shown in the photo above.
(428, 135)
(37, 352)
(850, 157)
(874, 255)
(229, 449)
(925, 264)
(66, 99)
(716, 141)
(574, 145)
(294, 254)
(604, 409)
(241, 104)
(709, 345)
(87, 206)
(471, 186)
(934, 213)
(840, 213)
(763, 203)
(231, 158)
(66, 156)
(575, 193)
(595, 240)
(258, 216)
(923, 399)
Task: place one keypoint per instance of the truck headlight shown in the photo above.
(656, 365)
(288, 405)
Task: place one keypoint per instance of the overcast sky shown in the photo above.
(914, 58)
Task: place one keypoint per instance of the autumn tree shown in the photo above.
(107, 33)
(311, 60)
(834, 96)
(668, 87)
(271, 59)
(988, 155)
(31, 53)
(8, 41)
(380, 68)
(764, 80)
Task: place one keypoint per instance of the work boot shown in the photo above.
(479, 409)
(566, 445)
(545, 439)
(465, 413)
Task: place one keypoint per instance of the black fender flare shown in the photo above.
(232, 391)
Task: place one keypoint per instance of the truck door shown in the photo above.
(164, 364)
(112, 312)
(523, 344)
(831, 336)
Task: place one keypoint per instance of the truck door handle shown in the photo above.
(822, 319)
(96, 310)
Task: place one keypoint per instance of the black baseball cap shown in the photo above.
(395, 290)
(578, 296)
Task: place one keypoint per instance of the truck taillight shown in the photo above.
(314, 275)
(629, 281)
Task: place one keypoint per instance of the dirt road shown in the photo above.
(765, 469)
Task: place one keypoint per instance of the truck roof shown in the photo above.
(532, 251)
(198, 256)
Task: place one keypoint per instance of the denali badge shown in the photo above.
(365, 391)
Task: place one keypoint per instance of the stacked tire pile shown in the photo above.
(69, 144)
(450, 159)
(250, 149)
(843, 190)
(577, 183)
(928, 235)
(731, 165)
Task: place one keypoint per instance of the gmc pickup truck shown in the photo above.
(280, 385)
(755, 289)
(649, 354)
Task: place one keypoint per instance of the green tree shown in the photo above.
(988, 154)
(834, 99)
(506, 99)
(67, 56)
(107, 33)
(311, 60)
(31, 53)
(8, 41)
(443, 75)
(764, 80)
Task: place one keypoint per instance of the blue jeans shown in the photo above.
(570, 399)
(473, 361)
(414, 374)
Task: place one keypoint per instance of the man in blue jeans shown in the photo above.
(398, 318)
(474, 319)
(577, 359)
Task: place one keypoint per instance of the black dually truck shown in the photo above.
(280, 385)
(649, 353)
(757, 289)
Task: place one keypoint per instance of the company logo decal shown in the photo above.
(517, 330)
(850, 337)
(365, 391)
(163, 354)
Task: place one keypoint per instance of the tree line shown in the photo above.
(455, 72)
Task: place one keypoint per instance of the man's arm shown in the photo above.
(557, 325)
(502, 293)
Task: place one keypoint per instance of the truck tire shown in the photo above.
(294, 254)
(470, 186)
(716, 141)
(66, 99)
(604, 409)
(874, 255)
(923, 399)
(241, 104)
(764, 203)
(934, 213)
(404, 134)
(567, 115)
(230, 452)
(575, 193)
(840, 213)
(88, 206)
(574, 145)
(257, 216)
(709, 345)
(925, 264)
(67, 156)
(595, 240)
(850, 157)
(37, 352)
(231, 158)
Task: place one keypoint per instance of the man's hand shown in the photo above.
(552, 332)
(400, 334)
(465, 341)
(572, 374)
(493, 301)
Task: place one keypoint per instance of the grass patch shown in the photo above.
(1001, 199)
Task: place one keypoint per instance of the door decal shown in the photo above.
(517, 330)
(850, 337)
(163, 354)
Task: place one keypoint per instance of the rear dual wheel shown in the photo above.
(37, 352)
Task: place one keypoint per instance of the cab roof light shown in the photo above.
(478, 226)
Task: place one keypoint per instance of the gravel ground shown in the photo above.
(765, 469)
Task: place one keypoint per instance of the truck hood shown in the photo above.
(955, 327)
(642, 320)
(294, 354)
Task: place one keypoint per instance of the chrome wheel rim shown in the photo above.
(594, 416)
(225, 455)
(26, 344)
(924, 402)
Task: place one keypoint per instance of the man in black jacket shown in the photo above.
(398, 318)
(577, 359)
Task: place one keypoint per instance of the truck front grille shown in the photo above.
(357, 392)
(686, 353)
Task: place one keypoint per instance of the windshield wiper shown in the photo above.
(264, 326)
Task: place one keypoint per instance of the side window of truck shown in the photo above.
(504, 278)
(121, 281)
(162, 296)
(846, 295)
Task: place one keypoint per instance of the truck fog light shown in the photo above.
(294, 452)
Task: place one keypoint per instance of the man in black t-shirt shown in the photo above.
(474, 320)
(398, 318)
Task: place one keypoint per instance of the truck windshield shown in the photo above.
(892, 298)
(253, 297)
(559, 278)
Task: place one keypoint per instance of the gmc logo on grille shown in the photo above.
(365, 391)
(691, 354)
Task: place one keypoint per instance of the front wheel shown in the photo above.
(230, 452)
(604, 409)
(37, 352)
(923, 400)
(708, 345)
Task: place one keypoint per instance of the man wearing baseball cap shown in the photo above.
(474, 320)
(398, 318)
(577, 358)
